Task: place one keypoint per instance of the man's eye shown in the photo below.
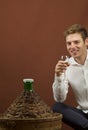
(69, 43)
(76, 42)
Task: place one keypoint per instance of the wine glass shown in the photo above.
(65, 58)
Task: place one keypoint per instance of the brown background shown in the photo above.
(31, 41)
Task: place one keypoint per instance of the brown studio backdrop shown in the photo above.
(31, 41)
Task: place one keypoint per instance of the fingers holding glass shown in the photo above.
(62, 65)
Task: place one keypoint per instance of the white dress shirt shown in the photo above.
(77, 76)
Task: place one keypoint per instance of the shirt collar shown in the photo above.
(72, 61)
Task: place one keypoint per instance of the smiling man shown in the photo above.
(74, 75)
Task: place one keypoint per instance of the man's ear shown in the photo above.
(86, 42)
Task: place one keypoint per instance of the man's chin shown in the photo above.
(75, 56)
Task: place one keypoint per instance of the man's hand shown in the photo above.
(60, 67)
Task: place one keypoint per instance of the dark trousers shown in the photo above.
(73, 117)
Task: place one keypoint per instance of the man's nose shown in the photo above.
(72, 45)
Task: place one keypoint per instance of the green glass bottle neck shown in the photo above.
(28, 86)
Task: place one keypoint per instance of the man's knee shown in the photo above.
(57, 107)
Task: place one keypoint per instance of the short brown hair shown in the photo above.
(77, 28)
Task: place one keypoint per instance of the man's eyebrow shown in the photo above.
(72, 41)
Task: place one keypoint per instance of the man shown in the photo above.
(74, 74)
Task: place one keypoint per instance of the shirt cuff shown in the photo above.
(59, 78)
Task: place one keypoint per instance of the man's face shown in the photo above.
(75, 45)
